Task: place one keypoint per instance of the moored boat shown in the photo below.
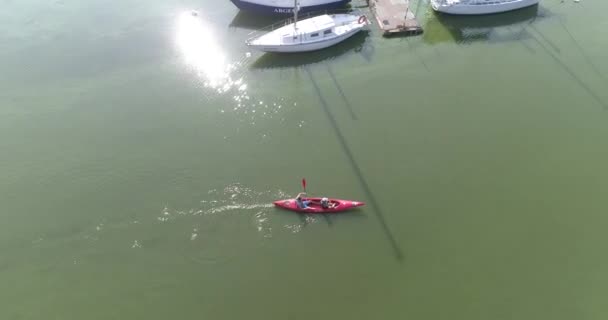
(475, 7)
(285, 7)
(310, 34)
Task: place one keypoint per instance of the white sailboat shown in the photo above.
(310, 34)
(471, 7)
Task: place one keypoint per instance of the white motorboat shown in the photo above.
(472, 7)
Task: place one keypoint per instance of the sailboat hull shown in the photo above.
(287, 10)
(311, 34)
(305, 47)
(480, 7)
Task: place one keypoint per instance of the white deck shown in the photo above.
(310, 34)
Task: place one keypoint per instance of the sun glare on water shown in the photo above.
(202, 53)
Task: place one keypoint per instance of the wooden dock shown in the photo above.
(395, 17)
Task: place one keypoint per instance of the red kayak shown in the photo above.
(314, 206)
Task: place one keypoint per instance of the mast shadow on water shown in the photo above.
(373, 203)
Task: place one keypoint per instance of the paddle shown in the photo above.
(304, 186)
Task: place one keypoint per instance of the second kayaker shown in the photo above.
(325, 204)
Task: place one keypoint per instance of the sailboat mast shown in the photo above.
(296, 8)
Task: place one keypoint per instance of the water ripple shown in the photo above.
(232, 199)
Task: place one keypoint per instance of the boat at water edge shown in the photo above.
(476, 7)
(285, 7)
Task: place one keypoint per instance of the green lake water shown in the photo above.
(141, 148)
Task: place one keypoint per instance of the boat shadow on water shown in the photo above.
(515, 26)
(357, 44)
(330, 218)
(442, 27)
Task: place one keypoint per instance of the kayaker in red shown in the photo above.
(302, 204)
